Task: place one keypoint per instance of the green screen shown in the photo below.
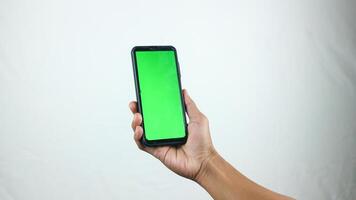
(160, 95)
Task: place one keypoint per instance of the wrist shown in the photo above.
(206, 166)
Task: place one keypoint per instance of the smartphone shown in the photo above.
(159, 95)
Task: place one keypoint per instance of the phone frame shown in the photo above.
(161, 142)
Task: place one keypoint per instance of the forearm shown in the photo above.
(223, 181)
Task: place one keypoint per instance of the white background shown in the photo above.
(277, 80)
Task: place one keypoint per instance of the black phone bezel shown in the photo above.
(144, 140)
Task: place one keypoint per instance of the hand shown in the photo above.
(198, 160)
(187, 160)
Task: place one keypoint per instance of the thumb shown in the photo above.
(192, 109)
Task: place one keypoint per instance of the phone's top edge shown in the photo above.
(153, 48)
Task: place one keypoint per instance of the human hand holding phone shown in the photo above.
(198, 160)
(189, 159)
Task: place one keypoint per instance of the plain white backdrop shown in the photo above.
(277, 80)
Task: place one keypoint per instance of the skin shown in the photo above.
(198, 160)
